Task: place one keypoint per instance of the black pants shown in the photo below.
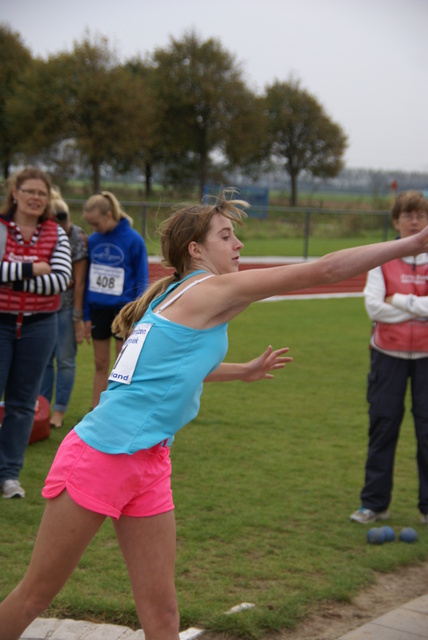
(387, 383)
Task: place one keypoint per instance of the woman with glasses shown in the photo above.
(35, 268)
(71, 328)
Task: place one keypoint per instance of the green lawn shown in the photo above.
(264, 482)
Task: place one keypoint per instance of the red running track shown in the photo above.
(352, 286)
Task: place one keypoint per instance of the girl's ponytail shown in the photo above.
(132, 312)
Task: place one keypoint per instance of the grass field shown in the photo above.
(264, 482)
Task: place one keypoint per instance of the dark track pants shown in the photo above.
(387, 383)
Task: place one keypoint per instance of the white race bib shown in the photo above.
(126, 362)
(108, 280)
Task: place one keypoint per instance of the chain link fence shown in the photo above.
(310, 229)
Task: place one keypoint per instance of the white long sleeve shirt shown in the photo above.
(403, 307)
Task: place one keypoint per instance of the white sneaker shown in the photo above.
(12, 489)
(365, 516)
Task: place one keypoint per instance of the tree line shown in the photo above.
(185, 109)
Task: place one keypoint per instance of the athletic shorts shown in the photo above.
(101, 321)
(137, 485)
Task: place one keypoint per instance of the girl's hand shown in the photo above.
(270, 360)
(41, 269)
(79, 331)
(423, 240)
(88, 324)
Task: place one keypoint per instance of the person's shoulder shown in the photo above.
(94, 238)
(127, 227)
(6, 217)
(133, 235)
(422, 259)
(138, 238)
(78, 233)
(78, 242)
(49, 223)
(50, 228)
(78, 230)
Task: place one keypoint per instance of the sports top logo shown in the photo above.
(108, 254)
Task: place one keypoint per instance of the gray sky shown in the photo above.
(366, 61)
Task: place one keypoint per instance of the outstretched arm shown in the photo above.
(331, 268)
(257, 369)
(222, 298)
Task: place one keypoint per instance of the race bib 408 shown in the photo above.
(108, 280)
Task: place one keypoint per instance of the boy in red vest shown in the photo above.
(396, 299)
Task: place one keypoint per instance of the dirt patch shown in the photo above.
(333, 620)
(389, 592)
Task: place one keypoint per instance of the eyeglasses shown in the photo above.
(409, 215)
(32, 193)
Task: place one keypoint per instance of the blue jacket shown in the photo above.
(118, 267)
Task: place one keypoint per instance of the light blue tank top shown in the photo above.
(156, 383)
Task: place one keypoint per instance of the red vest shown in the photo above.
(410, 336)
(40, 251)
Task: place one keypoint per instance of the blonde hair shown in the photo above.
(57, 202)
(105, 202)
(185, 225)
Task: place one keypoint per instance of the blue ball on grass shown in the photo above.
(389, 534)
(375, 536)
(408, 535)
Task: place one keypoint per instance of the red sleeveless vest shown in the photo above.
(21, 301)
(412, 335)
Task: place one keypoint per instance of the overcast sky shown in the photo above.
(366, 61)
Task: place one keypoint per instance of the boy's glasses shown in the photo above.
(409, 215)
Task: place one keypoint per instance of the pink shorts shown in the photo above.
(137, 485)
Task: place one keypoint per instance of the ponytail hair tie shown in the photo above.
(176, 275)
